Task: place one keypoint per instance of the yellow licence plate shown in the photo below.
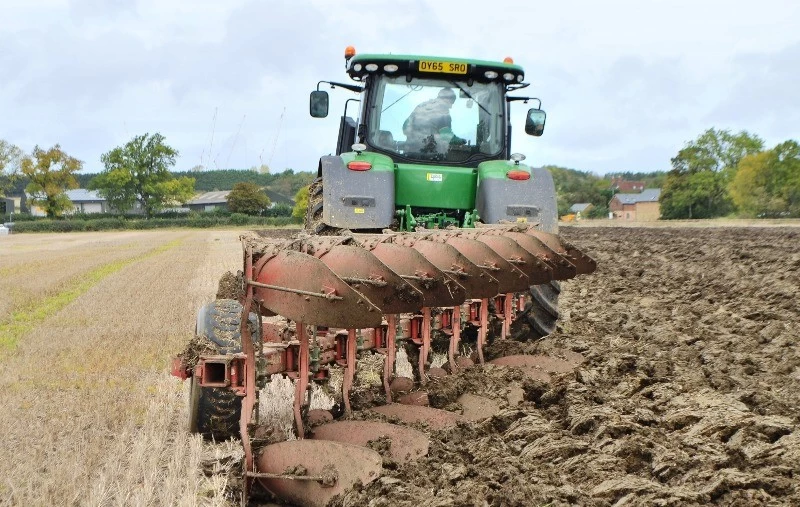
(446, 67)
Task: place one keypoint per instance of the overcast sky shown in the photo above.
(625, 83)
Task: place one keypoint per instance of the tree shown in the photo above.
(139, 171)
(574, 187)
(247, 198)
(697, 185)
(10, 160)
(116, 186)
(768, 183)
(289, 182)
(300, 203)
(51, 174)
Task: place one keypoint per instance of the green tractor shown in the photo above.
(424, 233)
(430, 148)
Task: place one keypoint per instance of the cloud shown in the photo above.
(763, 95)
(625, 84)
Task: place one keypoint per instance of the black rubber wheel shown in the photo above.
(313, 222)
(214, 412)
(543, 312)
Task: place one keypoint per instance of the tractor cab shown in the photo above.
(416, 109)
(429, 147)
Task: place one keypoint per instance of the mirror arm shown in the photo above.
(334, 84)
(524, 100)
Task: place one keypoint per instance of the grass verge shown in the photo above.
(25, 320)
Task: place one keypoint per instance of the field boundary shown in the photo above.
(700, 223)
(26, 319)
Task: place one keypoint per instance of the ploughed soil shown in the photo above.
(689, 393)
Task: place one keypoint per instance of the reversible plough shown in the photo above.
(343, 295)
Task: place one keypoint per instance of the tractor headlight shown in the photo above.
(371, 67)
(390, 68)
(490, 74)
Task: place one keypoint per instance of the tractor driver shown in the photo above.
(431, 120)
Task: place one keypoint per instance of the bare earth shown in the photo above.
(689, 393)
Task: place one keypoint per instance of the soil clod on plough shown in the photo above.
(339, 296)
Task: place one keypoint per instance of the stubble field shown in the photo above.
(689, 392)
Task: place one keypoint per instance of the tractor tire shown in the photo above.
(214, 412)
(313, 223)
(543, 312)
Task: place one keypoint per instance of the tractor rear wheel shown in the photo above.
(214, 412)
(313, 222)
(543, 311)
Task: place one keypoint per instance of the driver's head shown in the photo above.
(448, 95)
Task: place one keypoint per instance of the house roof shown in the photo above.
(580, 207)
(647, 195)
(278, 198)
(220, 197)
(83, 195)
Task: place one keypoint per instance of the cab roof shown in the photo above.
(434, 66)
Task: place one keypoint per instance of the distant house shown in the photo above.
(640, 207)
(627, 187)
(87, 201)
(7, 206)
(278, 198)
(210, 201)
(581, 209)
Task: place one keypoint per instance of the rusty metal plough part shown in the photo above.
(358, 292)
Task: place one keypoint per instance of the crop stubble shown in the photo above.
(89, 413)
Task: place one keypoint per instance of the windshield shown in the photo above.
(427, 119)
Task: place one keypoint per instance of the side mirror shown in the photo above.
(534, 123)
(318, 105)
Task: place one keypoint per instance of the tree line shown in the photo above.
(574, 186)
(723, 173)
(138, 173)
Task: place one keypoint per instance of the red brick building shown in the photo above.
(627, 187)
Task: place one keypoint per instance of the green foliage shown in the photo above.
(300, 203)
(50, 174)
(247, 198)
(116, 185)
(238, 219)
(280, 210)
(225, 179)
(287, 183)
(10, 160)
(767, 184)
(654, 179)
(204, 220)
(697, 185)
(139, 171)
(574, 186)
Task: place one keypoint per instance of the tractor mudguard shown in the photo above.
(356, 199)
(531, 200)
